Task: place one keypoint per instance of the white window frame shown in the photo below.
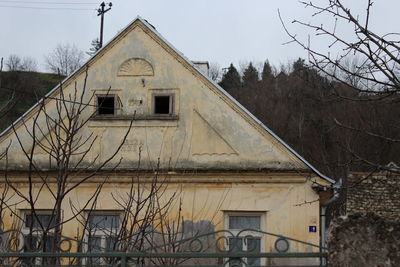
(254, 234)
(94, 233)
(37, 231)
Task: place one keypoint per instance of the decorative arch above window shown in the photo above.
(135, 67)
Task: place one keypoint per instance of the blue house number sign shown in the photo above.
(312, 229)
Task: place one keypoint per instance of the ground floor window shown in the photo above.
(38, 235)
(240, 225)
(102, 234)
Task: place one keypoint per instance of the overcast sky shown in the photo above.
(222, 31)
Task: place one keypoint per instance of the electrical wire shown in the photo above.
(49, 8)
(51, 3)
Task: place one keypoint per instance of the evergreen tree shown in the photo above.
(299, 65)
(95, 46)
(231, 80)
(250, 76)
(266, 74)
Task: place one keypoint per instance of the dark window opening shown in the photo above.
(106, 105)
(162, 104)
(40, 220)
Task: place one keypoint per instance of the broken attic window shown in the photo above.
(106, 105)
(163, 104)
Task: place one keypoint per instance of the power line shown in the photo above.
(51, 3)
(48, 8)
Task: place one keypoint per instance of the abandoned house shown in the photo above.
(139, 114)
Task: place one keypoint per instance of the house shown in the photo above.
(140, 131)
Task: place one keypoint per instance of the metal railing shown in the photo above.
(219, 248)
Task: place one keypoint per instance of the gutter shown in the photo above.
(336, 194)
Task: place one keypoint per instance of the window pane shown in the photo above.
(47, 247)
(254, 246)
(106, 105)
(235, 245)
(31, 243)
(38, 243)
(104, 221)
(48, 243)
(95, 244)
(162, 104)
(47, 221)
(244, 222)
(112, 244)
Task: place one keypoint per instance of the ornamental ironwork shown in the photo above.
(247, 247)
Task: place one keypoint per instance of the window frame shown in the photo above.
(100, 232)
(36, 232)
(171, 104)
(254, 234)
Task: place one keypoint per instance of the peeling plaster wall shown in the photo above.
(280, 204)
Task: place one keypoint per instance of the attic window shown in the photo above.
(163, 104)
(106, 105)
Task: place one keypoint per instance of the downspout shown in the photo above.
(336, 188)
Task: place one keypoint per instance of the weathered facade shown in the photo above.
(211, 154)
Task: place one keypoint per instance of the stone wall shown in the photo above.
(364, 240)
(378, 193)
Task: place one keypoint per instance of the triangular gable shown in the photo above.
(223, 146)
(206, 140)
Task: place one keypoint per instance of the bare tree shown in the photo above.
(13, 63)
(9, 99)
(379, 53)
(16, 63)
(64, 59)
(29, 64)
(215, 71)
(58, 134)
(374, 74)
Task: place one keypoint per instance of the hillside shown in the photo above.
(334, 127)
(27, 88)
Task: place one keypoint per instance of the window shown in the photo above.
(163, 104)
(101, 234)
(41, 220)
(41, 238)
(250, 241)
(106, 105)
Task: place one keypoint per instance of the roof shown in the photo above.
(192, 64)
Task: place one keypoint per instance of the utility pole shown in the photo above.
(101, 11)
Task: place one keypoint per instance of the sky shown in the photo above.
(221, 31)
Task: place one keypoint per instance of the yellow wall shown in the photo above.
(280, 201)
